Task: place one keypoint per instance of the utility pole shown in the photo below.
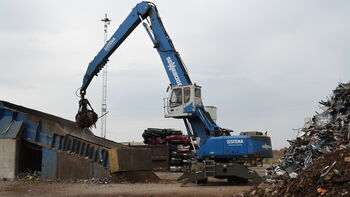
(106, 21)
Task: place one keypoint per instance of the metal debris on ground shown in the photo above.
(31, 176)
(327, 131)
(35, 176)
(93, 181)
(329, 175)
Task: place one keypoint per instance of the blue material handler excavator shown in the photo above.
(219, 154)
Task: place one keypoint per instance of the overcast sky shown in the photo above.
(264, 64)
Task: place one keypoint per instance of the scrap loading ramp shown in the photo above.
(31, 140)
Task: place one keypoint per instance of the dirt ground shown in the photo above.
(167, 187)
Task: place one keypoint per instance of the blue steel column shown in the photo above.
(49, 164)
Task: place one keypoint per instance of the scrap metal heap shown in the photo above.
(317, 162)
(328, 132)
(158, 136)
(181, 151)
(329, 175)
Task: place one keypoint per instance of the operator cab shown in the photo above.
(182, 101)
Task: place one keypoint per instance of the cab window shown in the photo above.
(197, 92)
(187, 94)
(176, 97)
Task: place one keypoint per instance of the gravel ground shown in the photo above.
(168, 187)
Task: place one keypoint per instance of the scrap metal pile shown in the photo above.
(329, 175)
(158, 136)
(181, 153)
(317, 162)
(32, 176)
(180, 146)
(327, 132)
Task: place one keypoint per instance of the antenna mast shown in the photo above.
(104, 112)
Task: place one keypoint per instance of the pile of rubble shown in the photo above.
(329, 175)
(317, 162)
(326, 132)
(29, 176)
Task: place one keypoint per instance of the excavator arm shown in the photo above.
(197, 121)
(174, 67)
(172, 62)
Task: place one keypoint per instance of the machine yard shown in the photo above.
(42, 152)
(316, 163)
(51, 155)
